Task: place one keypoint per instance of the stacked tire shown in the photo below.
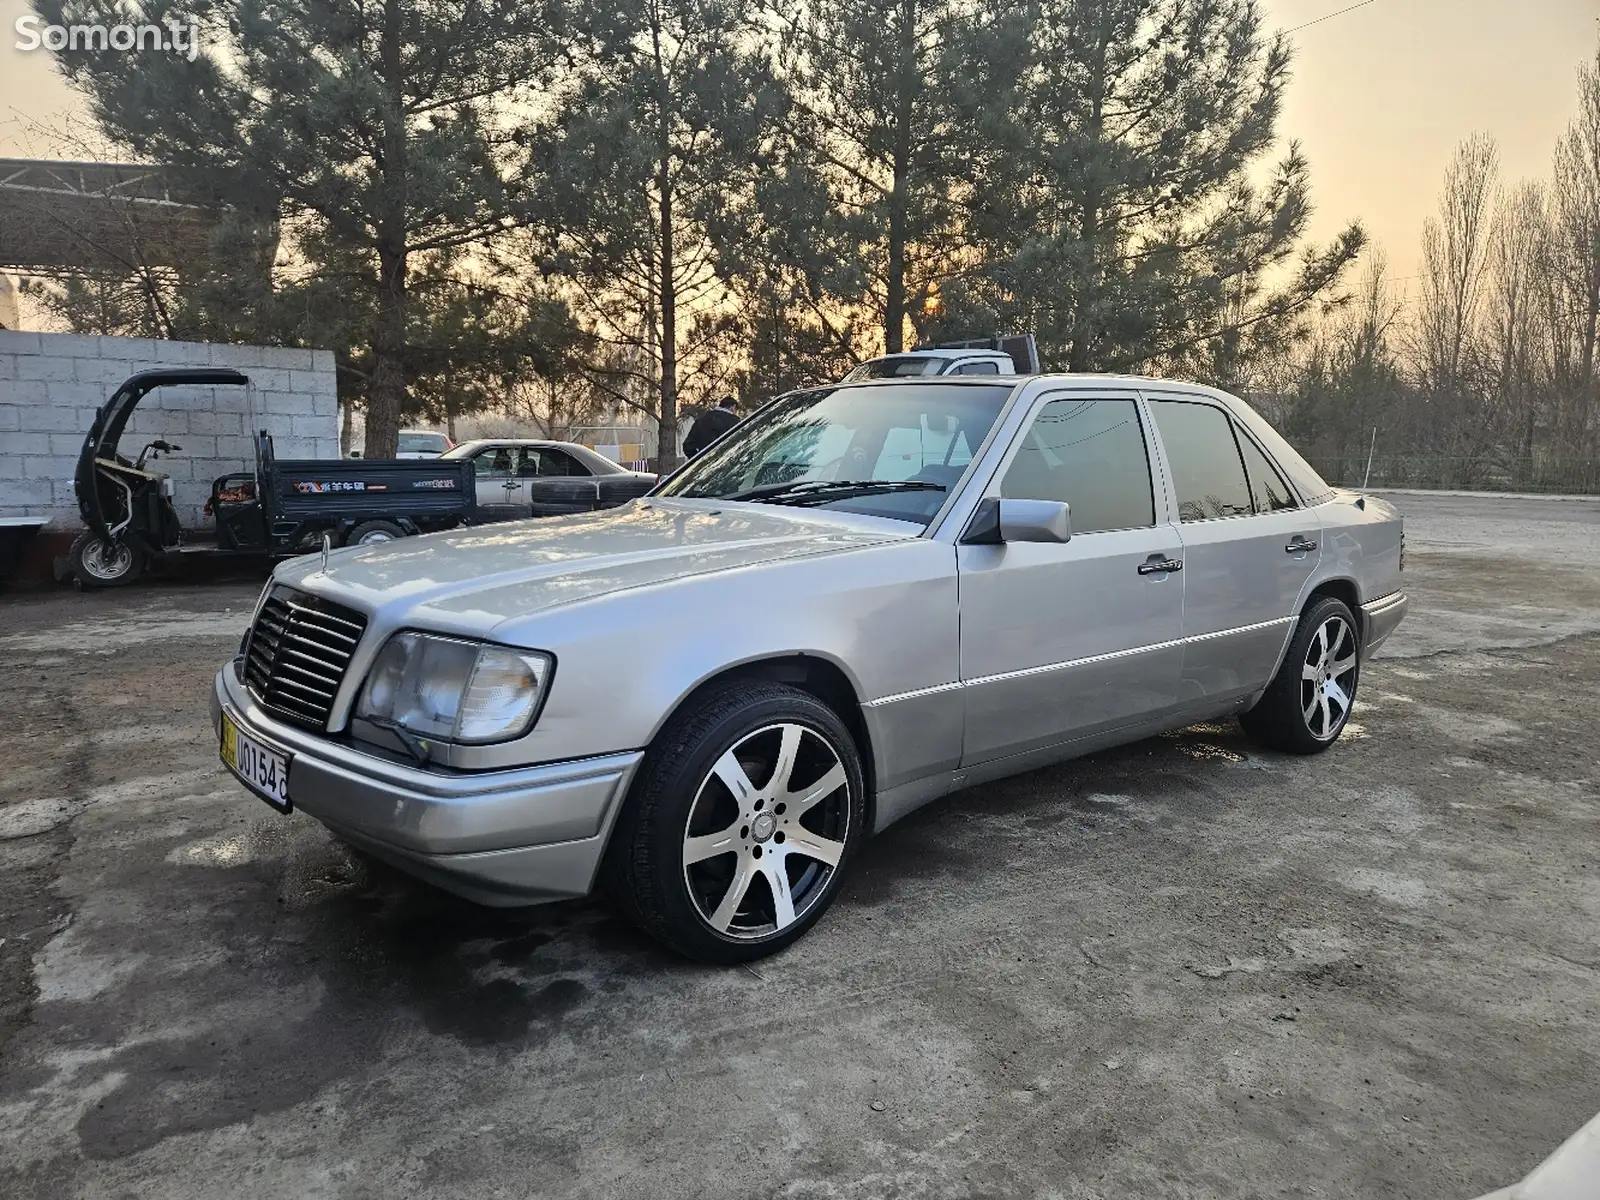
(561, 496)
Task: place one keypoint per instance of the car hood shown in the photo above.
(473, 579)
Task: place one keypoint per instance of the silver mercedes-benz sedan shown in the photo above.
(861, 598)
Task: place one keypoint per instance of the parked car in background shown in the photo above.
(862, 598)
(422, 443)
(521, 477)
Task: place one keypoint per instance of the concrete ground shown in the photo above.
(1181, 969)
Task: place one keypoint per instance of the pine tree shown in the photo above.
(1123, 225)
(660, 130)
(391, 127)
(891, 102)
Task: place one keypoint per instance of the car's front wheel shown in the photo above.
(1308, 703)
(740, 825)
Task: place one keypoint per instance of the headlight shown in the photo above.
(454, 691)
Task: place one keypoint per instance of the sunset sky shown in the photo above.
(1381, 96)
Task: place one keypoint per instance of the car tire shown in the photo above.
(787, 844)
(96, 563)
(373, 533)
(1308, 703)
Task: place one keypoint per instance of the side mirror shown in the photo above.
(998, 521)
(1035, 521)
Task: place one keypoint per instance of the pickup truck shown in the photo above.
(1017, 355)
(859, 599)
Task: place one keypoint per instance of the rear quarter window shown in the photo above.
(1313, 488)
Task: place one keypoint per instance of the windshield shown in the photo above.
(894, 450)
(897, 367)
(423, 443)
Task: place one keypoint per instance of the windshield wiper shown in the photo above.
(774, 489)
(823, 491)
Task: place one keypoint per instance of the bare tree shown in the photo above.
(1576, 248)
(1518, 256)
(1455, 260)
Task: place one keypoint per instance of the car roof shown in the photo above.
(509, 442)
(952, 352)
(1079, 378)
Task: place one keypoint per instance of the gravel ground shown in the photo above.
(1180, 969)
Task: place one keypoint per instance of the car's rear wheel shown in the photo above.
(741, 824)
(1308, 703)
(97, 562)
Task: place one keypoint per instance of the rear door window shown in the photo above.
(1207, 471)
(554, 462)
(1090, 453)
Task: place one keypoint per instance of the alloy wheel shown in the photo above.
(1327, 680)
(376, 537)
(767, 829)
(105, 561)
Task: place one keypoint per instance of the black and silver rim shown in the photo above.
(107, 561)
(1327, 679)
(766, 831)
(375, 537)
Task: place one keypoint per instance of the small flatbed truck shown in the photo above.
(281, 508)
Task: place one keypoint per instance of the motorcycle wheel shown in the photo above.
(98, 563)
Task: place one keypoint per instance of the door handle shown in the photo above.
(1300, 545)
(1160, 566)
(510, 485)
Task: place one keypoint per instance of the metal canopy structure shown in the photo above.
(65, 216)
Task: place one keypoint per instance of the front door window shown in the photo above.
(1091, 454)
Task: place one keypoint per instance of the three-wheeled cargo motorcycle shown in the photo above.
(281, 508)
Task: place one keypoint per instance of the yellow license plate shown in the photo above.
(259, 767)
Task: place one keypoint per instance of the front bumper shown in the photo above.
(1380, 617)
(498, 837)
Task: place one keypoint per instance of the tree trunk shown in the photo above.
(1078, 357)
(667, 435)
(1587, 381)
(386, 391)
(1527, 436)
(347, 422)
(1086, 303)
(894, 304)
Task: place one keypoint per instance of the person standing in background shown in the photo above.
(709, 426)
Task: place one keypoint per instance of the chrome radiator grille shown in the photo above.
(297, 654)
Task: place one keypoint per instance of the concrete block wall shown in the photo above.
(51, 384)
